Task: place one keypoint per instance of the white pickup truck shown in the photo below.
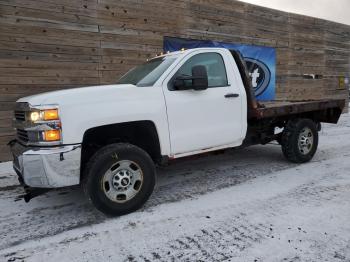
(109, 138)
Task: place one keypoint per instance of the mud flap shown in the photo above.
(31, 193)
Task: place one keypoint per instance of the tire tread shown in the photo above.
(289, 138)
(106, 151)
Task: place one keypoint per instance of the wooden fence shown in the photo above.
(54, 44)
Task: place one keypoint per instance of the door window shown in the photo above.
(214, 64)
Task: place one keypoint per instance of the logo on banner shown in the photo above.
(260, 74)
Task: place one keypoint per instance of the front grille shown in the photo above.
(22, 135)
(20, 115)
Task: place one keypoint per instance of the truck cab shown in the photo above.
(204, 116)
(109, 138)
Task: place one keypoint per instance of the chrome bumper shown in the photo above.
(47, 167)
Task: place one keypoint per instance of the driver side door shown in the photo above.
(203, 119)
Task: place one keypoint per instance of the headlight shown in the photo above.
(44, 115)
(39, 125)
(34, 116)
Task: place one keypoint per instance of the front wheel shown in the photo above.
(299, 140)
(119, 179)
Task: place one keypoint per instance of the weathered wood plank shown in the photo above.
(47, 65)
(33, 72)
(28, 55)
(19, 21)
(49, 80)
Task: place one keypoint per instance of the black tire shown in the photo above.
(101, 162)
(290, 140)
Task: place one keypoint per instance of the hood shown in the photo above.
(80, 95)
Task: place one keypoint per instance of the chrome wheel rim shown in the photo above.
(122, 181)
(305, 141)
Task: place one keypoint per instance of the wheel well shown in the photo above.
(139, 133)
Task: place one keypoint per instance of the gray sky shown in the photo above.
(334, 10)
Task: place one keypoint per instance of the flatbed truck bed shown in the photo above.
(270, 109)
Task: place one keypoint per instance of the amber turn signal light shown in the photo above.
(50, 114)
(52, 135)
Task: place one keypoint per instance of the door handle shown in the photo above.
(231, 95)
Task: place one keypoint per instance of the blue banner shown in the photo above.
(260, 60)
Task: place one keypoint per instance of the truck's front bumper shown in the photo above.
(50, 167)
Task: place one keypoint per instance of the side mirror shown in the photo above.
(179, 83)
(198, 80)
(199, 77)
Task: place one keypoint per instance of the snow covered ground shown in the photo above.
(246, 205)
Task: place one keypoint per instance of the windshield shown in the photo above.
(148, 73)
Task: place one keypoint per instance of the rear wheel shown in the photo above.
(300, 140)
(119, 179)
